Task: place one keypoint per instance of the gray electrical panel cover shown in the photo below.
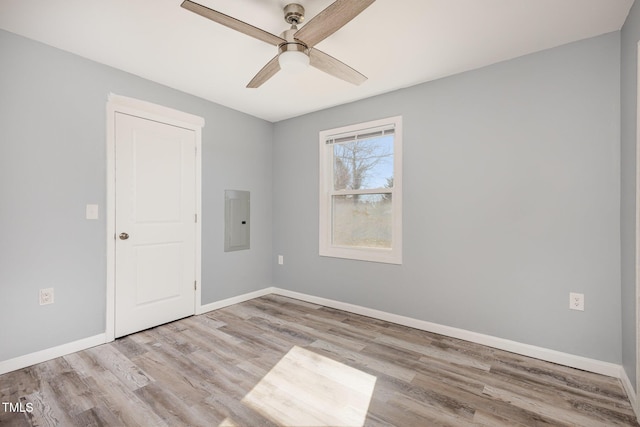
(236, 220)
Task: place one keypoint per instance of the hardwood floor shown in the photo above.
(278, 361)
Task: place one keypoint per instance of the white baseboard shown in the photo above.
(631, 393)
(50, 353)
(233, 300)
(579, 362)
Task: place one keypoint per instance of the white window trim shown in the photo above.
(390, 256)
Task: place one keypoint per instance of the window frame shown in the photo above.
(391, 255)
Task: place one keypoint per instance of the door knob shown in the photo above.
(124, 236)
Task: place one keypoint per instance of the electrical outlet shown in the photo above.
(280, 259)
(576, 301)
(46, 296)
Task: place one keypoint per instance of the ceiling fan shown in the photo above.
(296, 46)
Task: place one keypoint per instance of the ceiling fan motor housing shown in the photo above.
(292, 44)
(293, 47)
(294, 13)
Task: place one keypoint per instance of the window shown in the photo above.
(361, 191)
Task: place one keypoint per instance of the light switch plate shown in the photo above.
(92, 211)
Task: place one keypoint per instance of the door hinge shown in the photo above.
(196, 215)
(195, 285)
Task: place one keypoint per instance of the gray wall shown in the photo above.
(628, 89)
(52, 163)
(511, 201)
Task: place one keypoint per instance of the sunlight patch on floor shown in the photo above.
(307, 389)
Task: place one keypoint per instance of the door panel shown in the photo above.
(161, 282)
(155, 207)
(157, 176)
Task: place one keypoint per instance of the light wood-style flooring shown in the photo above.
(279, 361)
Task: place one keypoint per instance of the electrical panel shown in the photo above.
(236, 220)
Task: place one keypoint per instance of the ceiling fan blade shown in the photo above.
(330, 20)
(265, 74)
(233, 23)
(331, 65)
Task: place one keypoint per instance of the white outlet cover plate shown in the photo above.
(576, 301)
(46, 296)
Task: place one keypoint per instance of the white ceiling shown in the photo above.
(395, 43)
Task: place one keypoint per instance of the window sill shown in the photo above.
(386, 256)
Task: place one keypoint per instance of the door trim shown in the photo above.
(635, 398)
(149, 111)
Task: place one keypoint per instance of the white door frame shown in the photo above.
(636, 402)
(145, 110)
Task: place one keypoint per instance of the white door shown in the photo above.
(155, 197)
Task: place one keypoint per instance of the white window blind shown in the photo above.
(360, 135)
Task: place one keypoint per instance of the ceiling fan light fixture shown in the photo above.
(293, 60)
